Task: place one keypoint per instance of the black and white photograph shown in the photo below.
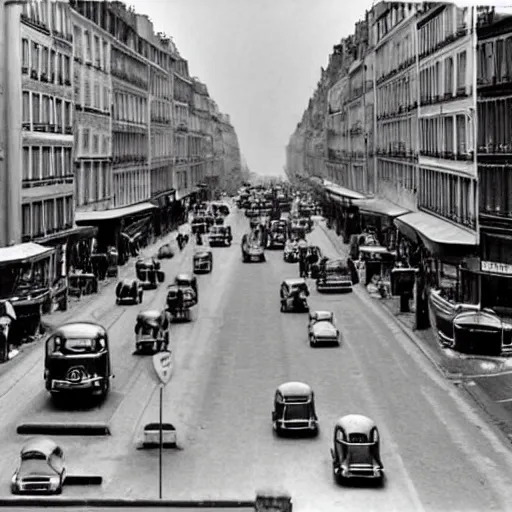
(255, 256)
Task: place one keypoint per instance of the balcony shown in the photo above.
(468, 221)
(182, 127)
(49, 181)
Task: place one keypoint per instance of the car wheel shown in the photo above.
(118, 301)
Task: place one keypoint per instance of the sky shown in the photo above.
(260, 59)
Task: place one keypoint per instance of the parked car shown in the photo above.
(41, 470)
(356, 449)
(322, 330)
(294, 409)
(165, 252)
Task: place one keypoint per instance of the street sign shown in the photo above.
(162, 362)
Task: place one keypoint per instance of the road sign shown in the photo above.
(162, 362)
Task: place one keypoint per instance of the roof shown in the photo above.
(150, 314)
(80, 330)
(339, 191)
(128, 280)
(202, 254)
(437, 230)
(319, 315)
(183, 276)
(295, 281)
(40, 444)
(380, 205)
(356, 423)
(294, 389)
(114, 213)
(22, 252)
(324, 327)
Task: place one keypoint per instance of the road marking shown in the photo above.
(504, 400)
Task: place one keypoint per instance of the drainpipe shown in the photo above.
(13, 119)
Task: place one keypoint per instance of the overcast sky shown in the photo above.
(260, 59)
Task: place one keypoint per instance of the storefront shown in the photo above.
(164, 219)
(125, 229)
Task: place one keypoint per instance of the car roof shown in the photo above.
(128, 281)
(295, 389)
(356, 423)
(149, 314)
(40, 444)
(321, 314)
(183, 277)
(80, 330)
(294, 281)
(202, 252)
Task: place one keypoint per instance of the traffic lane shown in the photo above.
(420, 409)
(29, 402)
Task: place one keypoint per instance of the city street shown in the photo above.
(437, 451)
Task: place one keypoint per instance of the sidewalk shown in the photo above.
(487, 380)
(87, 305)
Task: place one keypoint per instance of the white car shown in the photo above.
(322, 329)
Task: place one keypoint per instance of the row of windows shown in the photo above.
(39, 111)
(397, 135)
(403, 175)
(201, 102)
(130, 108)
(495, 188)
(45, 64)
(448, 135)
(180, 147)
(494, 61)
(161, 179)
(197, 173)
(393, 53)
(51, 14)
(181, 115)
(127, 68)
(161, 145)
(448, 195)
(161, 86)
(438, 29)
(161, 112)
(194, 146)
(90, 89)
(129, 147)
(397, 93)
(181, 180)
(92, 182)
(495, 125)
(182, 91)
(46, 162)
(440, 80)
(90, 48)
(89, 142)
(131, 187)
(43, 218)
(396, 13)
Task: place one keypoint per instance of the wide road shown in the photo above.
(437, 451)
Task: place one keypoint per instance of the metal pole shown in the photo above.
(160, 455)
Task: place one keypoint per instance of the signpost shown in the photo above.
(162, 362)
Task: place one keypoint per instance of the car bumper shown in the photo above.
(305, 426)
(368, 472)
(84, 385)
(325, 341)
(334, 287)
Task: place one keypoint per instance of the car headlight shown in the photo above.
(14, 479)
(54, 482)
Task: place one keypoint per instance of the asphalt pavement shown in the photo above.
(438, 452)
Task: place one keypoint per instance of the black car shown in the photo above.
(129, 290)
(165, 252)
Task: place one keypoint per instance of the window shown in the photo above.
(105, 145)
(60, 213)
(106, 99)
(47, 166)
(461, 134)
(49, 216)
(67, 68)
(87, 38)
(97, 98)
(25, 163)
(35, 108)
(87, 92)
(37, 218)
(105, 56)
(45, 114)
(58, 68)
(77, 41)
(461, 70)
(44, 62)
(448, 76)
(25, 220)
(58, 161)
(26, 108)
(448, 134)
(85, 140)
(35, 60)
(67, 114)
(95, 144)
(97, 48)
(51, 71)
(69, 210)
(58, 114)
(36, 163)
(68, 161)
(25, 55)
(87, 181)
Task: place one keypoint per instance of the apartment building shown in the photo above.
(494, 91)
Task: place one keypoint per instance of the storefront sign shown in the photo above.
(497, 268)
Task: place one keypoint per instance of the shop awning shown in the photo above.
(341, 192)
(23, 252)
(379, 206)
(181, 194)
(73, 233)
(115, 213)
(435, 229)
(315, 180)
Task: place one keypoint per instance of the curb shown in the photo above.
(125, 503)
(64, 429)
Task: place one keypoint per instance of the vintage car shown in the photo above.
(129, 290)
(314, 257)
(180, 301)
(149, 273)
(77, 358)
(253, 248)
(334, 276)
(104, 264)
(41, 470)
(184, 280)
(356, 450)
(276, 238)
(152, 331)
(165, 252)
(294, 293)
(82, 283)
(199, 225)
(218, 220)
(203, 262)
(294, 409)
(220, 236)
(291, 252)
(322, 329)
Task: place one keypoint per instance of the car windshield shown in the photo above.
(296, 411)
(33, 455)
(79, 345)
(337, 269)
